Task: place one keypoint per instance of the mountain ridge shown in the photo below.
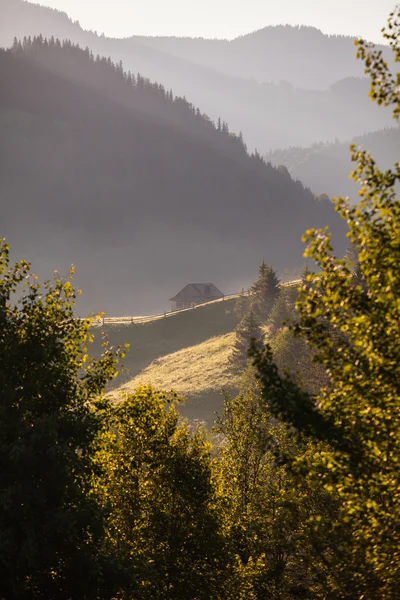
(325, 168)
(271, 113)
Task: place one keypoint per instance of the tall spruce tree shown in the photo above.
(242, 304)
(248, 330)
(282, 309)
(264, 291)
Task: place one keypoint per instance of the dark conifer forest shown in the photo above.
(280, 86)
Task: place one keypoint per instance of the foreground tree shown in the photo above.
(51, 525)
(268, 507)
(354, 329)
(164, 522)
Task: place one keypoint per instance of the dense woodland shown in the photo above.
(134, 185)
(295, 491)
(312, 90)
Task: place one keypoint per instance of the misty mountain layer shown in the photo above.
(280, 86)
(325, 168)
(135, 186)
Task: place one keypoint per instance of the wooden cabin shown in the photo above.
(195, 293)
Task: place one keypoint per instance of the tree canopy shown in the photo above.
(354, 330)
(51, 411)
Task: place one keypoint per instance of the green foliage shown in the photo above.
(264, 291)
(164, 523)
(354, 423)
(385, 86)
(51, 411)
(268, 508)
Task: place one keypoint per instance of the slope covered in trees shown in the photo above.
(236, 80)
(325, 168)
(135, 186)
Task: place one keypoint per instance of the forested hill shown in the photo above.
(326, 167)
(135, 186)
(300, 55)
(281, 86)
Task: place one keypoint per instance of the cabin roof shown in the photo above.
(194, 291)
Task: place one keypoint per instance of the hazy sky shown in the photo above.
(225, 18)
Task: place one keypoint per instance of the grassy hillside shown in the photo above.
(162, 337)
(187, 351)
(199, 373)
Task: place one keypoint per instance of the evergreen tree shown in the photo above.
(242, 304)
(283, 309)
(248, 330)
(265, 290)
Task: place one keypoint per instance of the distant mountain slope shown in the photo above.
(302, 56)
(137, 188)
(325, 168)
(249, 82)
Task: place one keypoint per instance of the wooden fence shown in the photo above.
(104, 320)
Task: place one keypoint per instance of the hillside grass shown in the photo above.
(200, 373)
(187, 351)
(155, 339)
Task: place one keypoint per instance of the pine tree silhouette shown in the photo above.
(265, 290)
(242, 304)
(283, 309)
(248, 330)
